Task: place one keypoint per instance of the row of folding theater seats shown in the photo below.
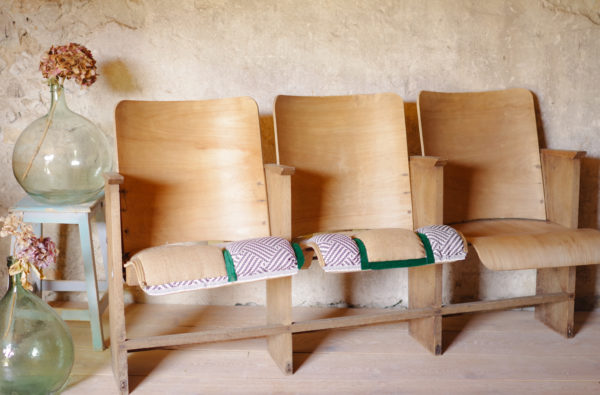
(193, 207)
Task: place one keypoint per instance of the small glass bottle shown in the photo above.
(36, 348)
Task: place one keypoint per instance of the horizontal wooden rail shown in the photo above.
(503, 304)
(215, 335)
(362, 319)
(226, 334)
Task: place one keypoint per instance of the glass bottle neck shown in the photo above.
(57, 95)
(12, 280)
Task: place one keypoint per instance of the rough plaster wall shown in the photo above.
(169, 49)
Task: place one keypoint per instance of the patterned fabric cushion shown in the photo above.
(338, 252)
(182, 286)
(265, 257)
(447, 244)
(347, 252)
(239, 261)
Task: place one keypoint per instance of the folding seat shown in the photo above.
(516, 206)
(191, 208)
(356, 201)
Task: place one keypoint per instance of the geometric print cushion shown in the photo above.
(337, 252)
(183, 286)
(346, 252)
(263, 257)
(447, 244)
(239, 261)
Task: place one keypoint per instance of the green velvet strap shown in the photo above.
(232, 276)
(299, 254)
(364, 259)
(428, 249)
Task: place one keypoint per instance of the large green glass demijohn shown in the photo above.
(60, 157)
(36, 348)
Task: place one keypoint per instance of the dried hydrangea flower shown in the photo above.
(40, 252)
(72, 61)
(32, 253)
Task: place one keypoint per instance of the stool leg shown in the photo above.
(91, 282)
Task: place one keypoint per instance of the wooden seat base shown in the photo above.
(531, 244)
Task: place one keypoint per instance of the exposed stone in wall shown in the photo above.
(587, 8)
(178, 50)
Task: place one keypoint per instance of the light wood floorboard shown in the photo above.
(493, 353)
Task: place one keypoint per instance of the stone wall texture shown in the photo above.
(197, 49)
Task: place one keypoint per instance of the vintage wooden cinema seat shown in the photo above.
(517, 206)
(192, 171)
(357, 201)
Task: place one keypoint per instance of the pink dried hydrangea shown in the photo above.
(40, 252)
(72, 61)
(31, 252)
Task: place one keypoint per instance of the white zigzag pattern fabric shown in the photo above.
(446, 243)
(269, 256)
(180, 286)
(340, 253)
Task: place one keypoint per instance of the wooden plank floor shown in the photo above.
(497, 353)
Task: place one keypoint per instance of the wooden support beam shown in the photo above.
(425, 282)
(561, 173)
(557, 315)
(504, 304)
(116, 307)
(216, 335)
(362, 319)
(279, 311)
(279, 290)
(425, 290)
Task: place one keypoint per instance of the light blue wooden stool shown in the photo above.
(81, 214)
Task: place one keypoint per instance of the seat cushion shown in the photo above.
(530, 244)
(182, 267)
(383, 248)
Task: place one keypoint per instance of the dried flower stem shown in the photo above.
(46, 127)
(13, 302)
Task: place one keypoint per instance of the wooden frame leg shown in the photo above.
(116, 302)
(279, 311)
(425, 290)
(116, 310)
(560, 315)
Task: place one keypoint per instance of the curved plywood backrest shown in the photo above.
(490, 141)
(193, 171)
(351, 161)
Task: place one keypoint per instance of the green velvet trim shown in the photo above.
(364, 259)
(232, 276)
(366, 265)
(299, 254)
(428, 249)
(397, 264)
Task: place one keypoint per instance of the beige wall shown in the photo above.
(194, 49)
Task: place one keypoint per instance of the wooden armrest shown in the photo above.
(563, 153)
(279, 198)
(561, 172)
(427, 189)
(113, 178)
(427, 161)
(280, 169)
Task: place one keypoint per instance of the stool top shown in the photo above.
(27, 204)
